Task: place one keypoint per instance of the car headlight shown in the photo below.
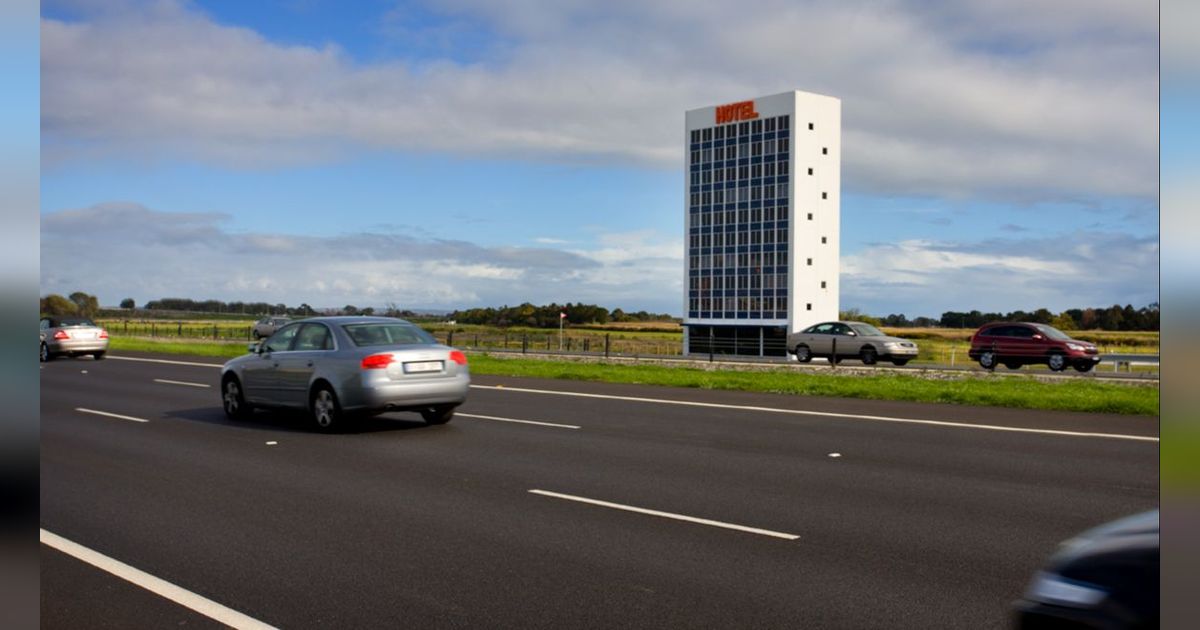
(1052, 588)
(1077, 347)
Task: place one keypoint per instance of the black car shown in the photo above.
(1106, 577)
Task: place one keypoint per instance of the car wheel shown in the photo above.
(899, 362)
(1084, 366)
(1012, 365)
(438, 415)
(987, 360)
(325, 409)
(1057, 362)
(803, 354)
(98, 355)
(869, 356)
(44, 354)
(233, 401)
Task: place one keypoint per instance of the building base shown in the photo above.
(757, 341)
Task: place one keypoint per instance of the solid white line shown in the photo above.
(168, 362)
(110, 415)
(678, 517)
(158, 586)
(541, 424)
(170, 382)
(824, 414)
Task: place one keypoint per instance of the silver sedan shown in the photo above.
(850, 340)
(336, 366)
(72, 336)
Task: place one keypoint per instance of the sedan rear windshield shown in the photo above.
(387, 334)
(72, 321)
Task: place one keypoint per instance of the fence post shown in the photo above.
(450, 338)
(710, 344)
(506, 341)
(214, 332)
(606, 345)
(524, 343)
(995, 359)
(476, 340)
(568, 344)
(127, 326)
(153, 329)
(833, 355)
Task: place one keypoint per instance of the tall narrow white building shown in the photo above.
(762, 219)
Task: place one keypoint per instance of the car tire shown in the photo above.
(987, 360)
(899, 362)
(1057, 362)
(803, 354)
(438, 415)
(233, 401)
(98, 355)
(326, 412)
(44, 353)
(868, 356)
(1084, 366)
(1012, 365)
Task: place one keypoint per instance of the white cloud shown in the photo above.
(993, 99)
(118, 250)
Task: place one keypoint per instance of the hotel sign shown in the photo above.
(736, 111)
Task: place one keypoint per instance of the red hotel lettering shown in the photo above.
(736, 111)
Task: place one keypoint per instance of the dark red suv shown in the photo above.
(1014, 344)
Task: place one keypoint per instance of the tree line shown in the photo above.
(1115, 317)
(547, 316)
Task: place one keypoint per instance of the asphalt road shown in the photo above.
(928, 516)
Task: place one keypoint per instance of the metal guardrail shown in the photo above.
(1129, 360)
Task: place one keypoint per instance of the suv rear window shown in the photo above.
(387, 334)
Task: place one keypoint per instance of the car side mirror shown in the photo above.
(254, 347)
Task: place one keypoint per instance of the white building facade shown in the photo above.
(762, 219)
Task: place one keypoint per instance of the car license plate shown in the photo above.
(423, 366)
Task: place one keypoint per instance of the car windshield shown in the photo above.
(387, 334)
(1052, 332)
(866, 330)
(75, 321)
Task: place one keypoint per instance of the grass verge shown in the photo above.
(999, 391)
(1016, 392)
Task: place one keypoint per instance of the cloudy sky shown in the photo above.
(996, 154)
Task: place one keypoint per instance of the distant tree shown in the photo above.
(855, 315)
(367, 311)
(350, 309)
(128, 303)
(1042, 316)
(55, 304)
(1063, 321)
(85, 304)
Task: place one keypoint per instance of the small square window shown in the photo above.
(822, 240)
(809, 262)
(810, 171)
(824, 195)
(810, 126)
(810, 216)
(809, 307)
(824, 150)
(822, 284)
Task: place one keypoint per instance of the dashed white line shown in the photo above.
(158, 586)
(184, 383)
(678, 517)
(166, 361)
(825, 414)
(110, 415)
(498, 419)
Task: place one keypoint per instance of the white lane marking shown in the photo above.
(272, 443)
(826, 414)
(678, 517)
(158, 586)
(835, 454)
(186, 383)
(110, 415)
(168, 362)
(541, 424)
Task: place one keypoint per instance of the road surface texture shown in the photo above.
(628, 506)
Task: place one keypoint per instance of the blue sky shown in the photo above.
(465, 153)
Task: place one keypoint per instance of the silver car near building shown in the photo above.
(71, 336)
(850, 340)
(267, 326)
(337, 366)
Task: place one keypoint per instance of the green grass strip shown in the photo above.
(1016, 392)
(998, 391)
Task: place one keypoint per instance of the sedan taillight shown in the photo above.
(103, 334)
(377, 361)
(62, 334)
(458, 357)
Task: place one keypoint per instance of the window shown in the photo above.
(824, 150)
(743, 129)
(809, 262)
(708, 134)
(720, 133)
(781, 235)
(757, 126)
(784, 121)
(808, 307)
(756, 171)
(783, 145)
(783, 168)
(810, 171)
(770, 124)
(810, 126)
(823, 240)
(769, 169)
(810, 216)
(756, 148)
(696, 135)
(822, 284)
(824, 195)
(281, 340)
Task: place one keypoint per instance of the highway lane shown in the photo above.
(398, 523)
